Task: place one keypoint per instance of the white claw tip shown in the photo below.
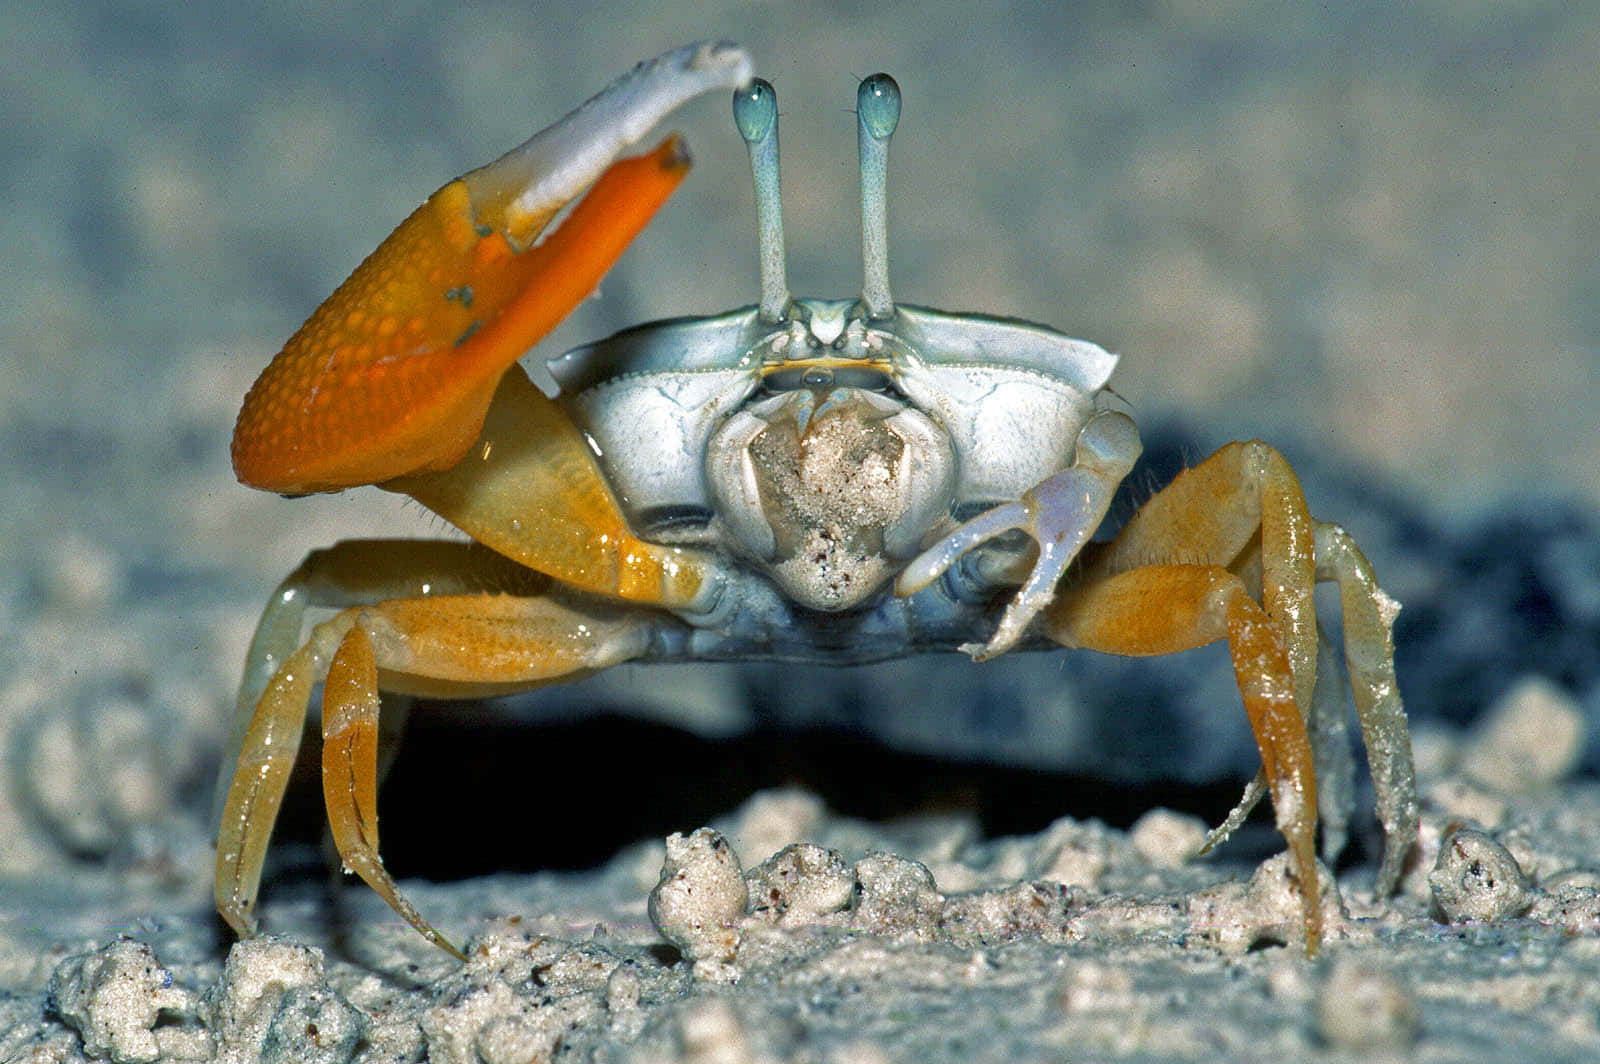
(558, 162)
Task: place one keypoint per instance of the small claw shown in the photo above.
(931, 564)
(1059, 514)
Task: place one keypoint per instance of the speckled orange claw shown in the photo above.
(393, 374)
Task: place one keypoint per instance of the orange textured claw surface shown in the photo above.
(392, 375)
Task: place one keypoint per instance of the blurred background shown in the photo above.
(1365, 232)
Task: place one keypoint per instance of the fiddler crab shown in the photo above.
(803, 480)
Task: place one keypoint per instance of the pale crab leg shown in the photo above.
(1368, 616)
(1060, 514)
(393, 373)
(456, 645)
(1333, 751)
(755, 112)
(260, 773)
(877, 115)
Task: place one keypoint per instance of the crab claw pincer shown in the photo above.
(394, 374)
(1059, 514)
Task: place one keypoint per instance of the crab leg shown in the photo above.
(1059, 514)
(1331, 753)
(350, 774)
(1369, 656)
(1242, 511)
(533, 490)
(352, 573)
(447, 644)
(1211, 514)
(1162, 609)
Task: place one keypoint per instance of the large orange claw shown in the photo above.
(394, 373)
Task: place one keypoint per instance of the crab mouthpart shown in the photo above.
(830, 488)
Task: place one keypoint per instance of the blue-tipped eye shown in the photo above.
(755, 112)
(878, 103)
(755, 109)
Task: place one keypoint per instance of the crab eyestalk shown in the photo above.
(877, 114)
(755, 112)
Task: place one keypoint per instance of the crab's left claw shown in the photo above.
(1060, 514)
(394, 373)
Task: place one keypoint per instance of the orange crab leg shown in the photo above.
(1240, 516)
(393, 374)
(350, 775)
(450, 645)
(1162, 609)
(353, 573)
(1243, 509)
(532, 490)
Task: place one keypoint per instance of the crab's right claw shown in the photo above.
(1059, 513)
(394, 373)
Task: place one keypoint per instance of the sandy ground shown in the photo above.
(849, 942)
(1365, 235)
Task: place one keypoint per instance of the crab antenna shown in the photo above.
(877, 113)
(755, 112)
